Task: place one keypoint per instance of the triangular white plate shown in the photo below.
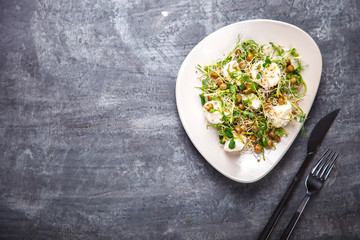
(242, 167)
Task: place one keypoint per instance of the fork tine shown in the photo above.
(331, 166)
(327, 164)
(318, 165)
(323, 163)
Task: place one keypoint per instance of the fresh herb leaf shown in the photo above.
(247, 101)
(294, 52)
(250, 42)
(202, 99)
(226, 60)
(232, 143)
(228, 133)
(249, 114)
(262, 126)
(281, 132)
(212, 110)
(258, 75)
(279, 50)
(224, 118)
(242, 86)
(267, 62)
(264, 142)
(259, 134)
(232, 89)
(254, 86)
(246, 78)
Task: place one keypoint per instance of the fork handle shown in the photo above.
(290, 227)
(265, 234)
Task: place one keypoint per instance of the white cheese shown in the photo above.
(281, 115)
(230, 68)
(255, 102)
(270, 76)
(215, 117)
(239, 145)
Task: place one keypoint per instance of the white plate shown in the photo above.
(239, 166)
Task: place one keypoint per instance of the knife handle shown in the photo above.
(281, 206)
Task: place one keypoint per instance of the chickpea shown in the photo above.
(242, 64)
(247, 86)
(250, 56)
(238, 129)
(254, 128)
(241, 106)
(219, 82)
(258, 148)
(237, 51)
(277, 138)
(289, 68)
(270, 143)
(253, 138)
(293, 80)
(272, 133)
(281, 100)
(223, 86)
(288, 62)
(209, 106)
(214, 75)
(238, 98)
(210, 98)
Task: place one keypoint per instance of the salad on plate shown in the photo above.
(251, 94)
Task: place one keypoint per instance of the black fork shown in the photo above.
(314, 182)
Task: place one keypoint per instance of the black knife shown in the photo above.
(316, 137)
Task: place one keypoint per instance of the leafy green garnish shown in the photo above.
(294, 52)
(250, 42)
(202, 99)
(262, 126)
(228, 133)
(242, 86)
(253, 86)
(233, 75)
(246, 78)
(279, 50)
(247, 101)
(232, 143)
(249, 114)
(264, 142)
(232, 89)
(258, 75)
(267, 62)
(281, 132)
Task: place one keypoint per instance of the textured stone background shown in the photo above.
(91, 144)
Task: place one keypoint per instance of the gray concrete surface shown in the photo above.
(91, 144)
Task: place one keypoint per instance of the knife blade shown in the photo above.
(316, 137)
